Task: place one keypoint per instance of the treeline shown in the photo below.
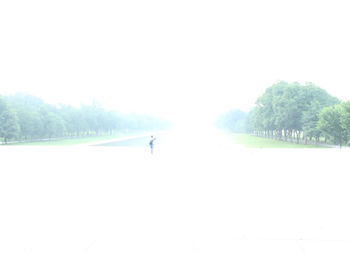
(24, 117)
(294, 112)
(233, 121)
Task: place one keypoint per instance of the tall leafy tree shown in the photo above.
(330, 123)
(316, 99)
(290, 110)
(310, 120)
(23, 116)
(9, 126)
(345, 119)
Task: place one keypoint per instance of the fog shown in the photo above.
(196, 193)
(188, 61)
(171, 59)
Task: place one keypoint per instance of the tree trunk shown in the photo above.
(298, 136)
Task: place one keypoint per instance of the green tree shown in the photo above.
(310, 120)
(330, 123)
(49, 121)
(316, 99)
(345, 120)
(290, 110)
(9, 126)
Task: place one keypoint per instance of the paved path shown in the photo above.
(95, 143)
(193, 195)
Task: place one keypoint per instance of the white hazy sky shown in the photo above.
(171, 58)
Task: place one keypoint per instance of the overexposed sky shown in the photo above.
(171, 58)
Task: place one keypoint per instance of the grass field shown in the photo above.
(77, 141)
(259, 142)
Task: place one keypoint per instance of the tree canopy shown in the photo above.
(25, 117)
(291, 111)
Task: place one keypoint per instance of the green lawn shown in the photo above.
(77, 141)
(259, 142)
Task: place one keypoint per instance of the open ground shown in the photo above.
(194, 194)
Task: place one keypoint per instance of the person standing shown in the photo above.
(151, 143)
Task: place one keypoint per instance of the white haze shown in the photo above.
(175, 59)
(189, 61)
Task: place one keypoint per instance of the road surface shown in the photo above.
(197, 193)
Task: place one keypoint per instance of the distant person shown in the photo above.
(151, 143)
